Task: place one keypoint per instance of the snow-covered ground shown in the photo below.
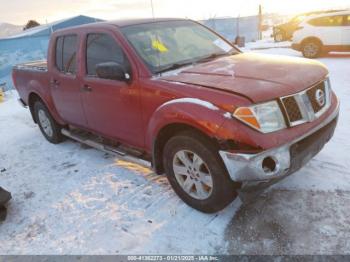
(266, 43)
(69, 199)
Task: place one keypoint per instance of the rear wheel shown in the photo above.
(311, 49)
(48, 126)
(279, 36)
(197, 174)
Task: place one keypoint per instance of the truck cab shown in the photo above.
(171, 92)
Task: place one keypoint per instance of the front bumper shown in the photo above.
(285, 159)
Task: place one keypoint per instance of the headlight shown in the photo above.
(265, 117)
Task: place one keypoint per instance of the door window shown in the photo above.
(102, 48)
(336, 20)
(59, 49)
(66, 52)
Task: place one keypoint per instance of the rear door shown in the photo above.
(346, 32)
(112, 107)
(65, 85)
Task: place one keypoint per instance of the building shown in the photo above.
(31, 45)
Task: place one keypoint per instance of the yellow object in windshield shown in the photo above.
(158, 45)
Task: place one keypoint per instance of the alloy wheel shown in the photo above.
(192, 174)
(45, 123)
(311, 50)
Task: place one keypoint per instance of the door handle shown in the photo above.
(86, 88)
(55, 82)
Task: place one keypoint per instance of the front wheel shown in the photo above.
(47, 124)
(311, 49)
(197, 174)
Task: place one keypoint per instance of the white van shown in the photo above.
(319, 34)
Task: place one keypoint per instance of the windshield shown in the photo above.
(172, 44)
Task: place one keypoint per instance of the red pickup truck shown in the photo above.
(217, 121)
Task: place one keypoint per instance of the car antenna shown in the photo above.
(152, 9)
(157, 38)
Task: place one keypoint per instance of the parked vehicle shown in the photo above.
(323, 33)
(217, 121)
(285, 31)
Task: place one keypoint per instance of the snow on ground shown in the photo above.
(266, 44)
(70, 199)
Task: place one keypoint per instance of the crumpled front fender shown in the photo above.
(194, 112)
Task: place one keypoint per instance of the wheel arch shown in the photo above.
(167, 132)
(312, 38)
(35, 96)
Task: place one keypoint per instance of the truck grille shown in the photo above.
(307, 105)
(311, 93)
(292, 108)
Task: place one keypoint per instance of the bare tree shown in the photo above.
(31, 24)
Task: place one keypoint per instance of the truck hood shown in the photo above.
(254, 76)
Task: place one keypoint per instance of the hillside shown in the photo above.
(9, 29)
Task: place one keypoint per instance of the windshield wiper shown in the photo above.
(203, 59)
(213, 56)
(173, 67)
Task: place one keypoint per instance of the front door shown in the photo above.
(112, 107)
(65, 86)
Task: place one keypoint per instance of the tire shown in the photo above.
(191, 147)
(311, 49)
(47, 124)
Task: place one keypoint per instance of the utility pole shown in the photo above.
(260, 22)
(237, 25)
(152, 9)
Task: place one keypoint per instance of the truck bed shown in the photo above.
(30, 76)
(40, 65)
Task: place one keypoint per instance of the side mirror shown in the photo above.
(112, 70)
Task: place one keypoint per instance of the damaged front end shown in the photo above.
(258, 171)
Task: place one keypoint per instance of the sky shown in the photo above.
(20, 11)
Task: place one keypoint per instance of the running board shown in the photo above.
(121, 154)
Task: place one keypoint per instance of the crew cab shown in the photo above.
(171, 92)
(323, 33)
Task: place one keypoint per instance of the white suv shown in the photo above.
(320, 34)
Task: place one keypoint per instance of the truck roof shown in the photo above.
(121, 23)
(128, 22)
